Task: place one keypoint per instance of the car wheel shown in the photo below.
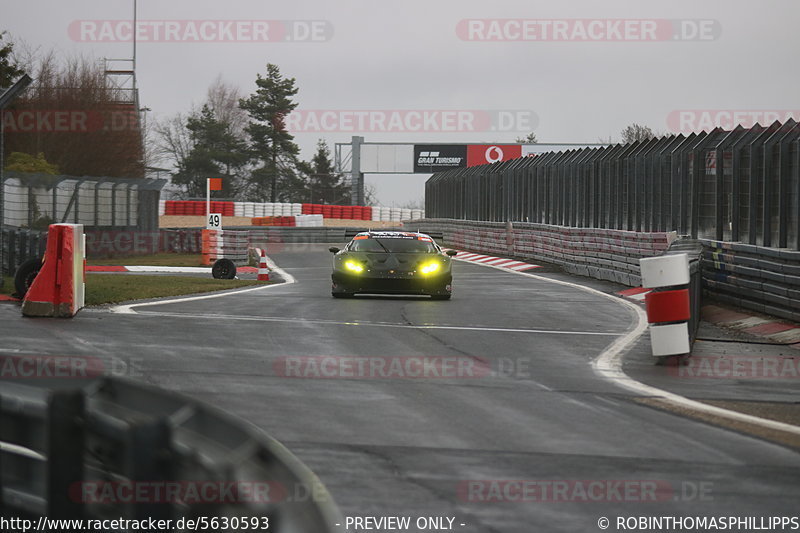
(440, 296)
(25, 275)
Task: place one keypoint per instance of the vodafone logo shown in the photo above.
(483, 154)
(494, 154)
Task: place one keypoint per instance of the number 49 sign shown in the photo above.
(214, 221)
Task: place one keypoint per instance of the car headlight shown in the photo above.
(352, 266)
(430, 268)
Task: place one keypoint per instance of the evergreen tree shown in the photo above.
(215, 152)
(9, 70)
(270, 143)
(325, 186)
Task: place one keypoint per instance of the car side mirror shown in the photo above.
(333, 250)
(451, 253)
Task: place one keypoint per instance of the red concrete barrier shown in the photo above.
(58, 290)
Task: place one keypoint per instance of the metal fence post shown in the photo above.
(148, 459)
(66, 442)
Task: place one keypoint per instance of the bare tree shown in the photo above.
(223, 100)
(636, 132)
(171, 139)
(74, 116)
(370, 194)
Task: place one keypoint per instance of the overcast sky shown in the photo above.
(414, 55)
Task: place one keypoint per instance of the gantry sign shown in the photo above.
(358, 157)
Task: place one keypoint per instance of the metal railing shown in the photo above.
(34, 201)
(20, 245)
(739, 185)
(113, 448)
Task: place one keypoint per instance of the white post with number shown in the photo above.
(214, 221)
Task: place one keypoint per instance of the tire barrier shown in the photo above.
(113, 448)
(224, 244)
(26, 273)
(766, 280)
(271, 209)
(599, 253)
(58, 289)
(183, 208)
(300, 221)
(223, 269)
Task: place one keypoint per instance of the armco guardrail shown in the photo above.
(116, 449)
(599, 253)
(766, 280)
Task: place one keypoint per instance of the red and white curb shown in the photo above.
(162, 269)
(637, 294)
(499, 262)
(771, 329)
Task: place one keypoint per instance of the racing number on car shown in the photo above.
(214, 221)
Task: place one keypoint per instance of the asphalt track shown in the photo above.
(410, 446)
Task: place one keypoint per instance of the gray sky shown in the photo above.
(409, 56)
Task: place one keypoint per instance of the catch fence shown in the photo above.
(740, 185)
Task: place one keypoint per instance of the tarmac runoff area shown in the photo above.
(548, 398)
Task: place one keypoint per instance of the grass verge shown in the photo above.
(8, 285)
(111, 288)
(161, 259)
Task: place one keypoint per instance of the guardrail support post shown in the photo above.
(65, 447)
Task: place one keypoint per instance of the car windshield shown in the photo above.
(390, 245)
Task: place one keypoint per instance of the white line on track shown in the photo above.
(288, 280)
(186, 270)
(303, 321)
(609, 364)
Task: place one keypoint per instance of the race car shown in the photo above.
(392, 262)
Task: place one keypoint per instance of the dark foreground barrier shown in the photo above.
(115, 449)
